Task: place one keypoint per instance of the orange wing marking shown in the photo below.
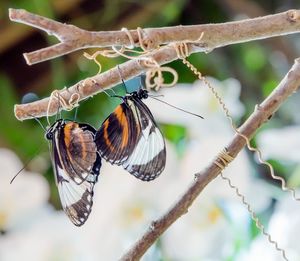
(120, 115)
(105, 135)
(67, 136)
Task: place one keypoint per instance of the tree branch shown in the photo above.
(287, 87)
(215, 35)
(73, 38)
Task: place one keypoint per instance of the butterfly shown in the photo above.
(76, 165)
(130, 137)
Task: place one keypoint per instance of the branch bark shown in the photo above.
(73, 38)
(268, 107)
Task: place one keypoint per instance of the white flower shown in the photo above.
(282, 143)
(21, 200)
(51, 237)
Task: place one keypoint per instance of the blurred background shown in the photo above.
(218, 226)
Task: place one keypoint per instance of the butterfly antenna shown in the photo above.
(59, 108)
(122, 78)
(113, 91)
(38, 121)
(197, 115)
(109, 95)
(48, 108)
(142, 82)
(114, 95)
(26, 164)
(75, 114)
(12, 180)
(155, 96)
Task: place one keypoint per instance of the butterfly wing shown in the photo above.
(148, 159)
(78, 150)
(117, 136)
(76, 198)
(131, 138)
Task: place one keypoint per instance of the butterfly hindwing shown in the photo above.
(148, 159)
(76, 165)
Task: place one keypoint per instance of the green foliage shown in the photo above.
(269, 86)
(255, 58)
(294, 179)
(177, 135)
(26, 137)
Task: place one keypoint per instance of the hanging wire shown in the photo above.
(254, 217)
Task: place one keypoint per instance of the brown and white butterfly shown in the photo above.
(131, 138)
(76, 165)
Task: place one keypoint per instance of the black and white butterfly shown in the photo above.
(131, 138)
(76, 165)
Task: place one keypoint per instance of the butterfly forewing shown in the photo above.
(78, 149)
(117, 136)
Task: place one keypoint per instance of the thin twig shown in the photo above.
(73, 38)
(268, 107)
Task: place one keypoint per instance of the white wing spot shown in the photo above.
(85, 174)
(77, 180)
(89, 197)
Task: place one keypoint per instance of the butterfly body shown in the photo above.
(131, 138)
(76, 165)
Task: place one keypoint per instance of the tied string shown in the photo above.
(223, 159)
(67, 105)
(182, 49)
(154, 73)
(121, 51)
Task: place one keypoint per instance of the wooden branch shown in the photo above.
(287, 87)
(215, 35)
(95, 84)
(73, 38)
